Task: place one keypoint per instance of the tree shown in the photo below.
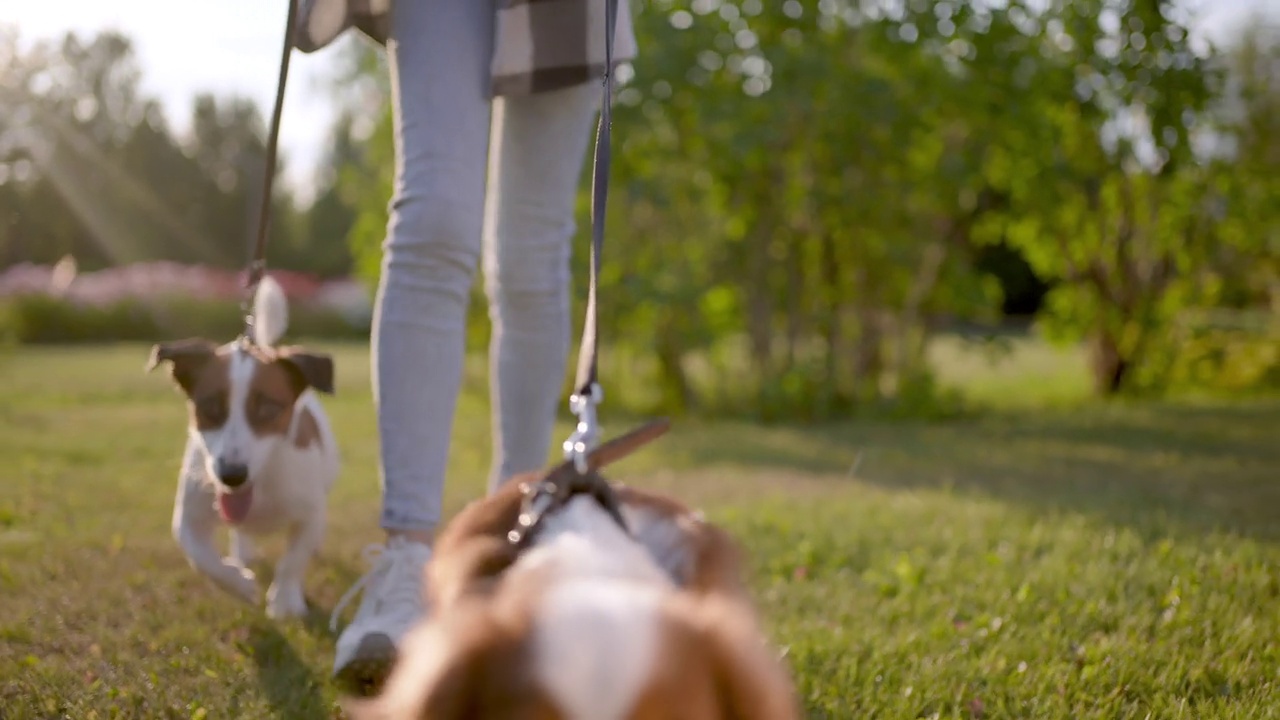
(805, 191)
(90, 167)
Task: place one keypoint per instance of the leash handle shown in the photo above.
(257, 266)
(587, 391)
(567, 481)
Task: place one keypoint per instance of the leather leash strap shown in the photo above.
(566, 481)
(587, 392)
(258, 255)
(587, 352)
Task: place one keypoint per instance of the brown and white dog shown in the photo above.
(587, 622)
(260, 454)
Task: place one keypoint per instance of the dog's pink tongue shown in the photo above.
(234, 507)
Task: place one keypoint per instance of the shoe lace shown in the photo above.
(372, 556)
(384, 564)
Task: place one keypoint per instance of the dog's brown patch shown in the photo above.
(208, 391)
(713, 666)
(716, 566)
(483, 672)
(203, 371)
(307, 432)
(308, 369)
(185, 358)
(472, 552)
(269, 402)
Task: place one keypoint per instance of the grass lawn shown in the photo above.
(1111, 561)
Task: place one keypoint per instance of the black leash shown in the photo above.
(587, 391)
(576, 475)
(565, 481)
(258, 255)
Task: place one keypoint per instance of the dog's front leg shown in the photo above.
(243, 550)
(285, 597)
(194, 522)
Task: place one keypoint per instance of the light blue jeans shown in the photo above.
(445, 210)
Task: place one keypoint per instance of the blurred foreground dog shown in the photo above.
(260, 455)
(585, 620)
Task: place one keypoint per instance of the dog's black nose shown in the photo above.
(231, 474)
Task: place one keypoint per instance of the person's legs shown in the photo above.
(439, 54)
(536, 159)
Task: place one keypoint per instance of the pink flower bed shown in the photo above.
(162, 279)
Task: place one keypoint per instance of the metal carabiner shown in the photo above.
(587, 433)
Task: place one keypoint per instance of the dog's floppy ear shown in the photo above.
(751, 682)
(308, 369)
(187, 357)
(447, 673)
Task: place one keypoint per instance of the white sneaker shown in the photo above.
(392, 603)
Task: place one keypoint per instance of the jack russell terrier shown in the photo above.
(584, 620)
(260, 454)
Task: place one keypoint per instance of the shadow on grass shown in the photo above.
(289, 684)
(330, 572)
(1157, 468)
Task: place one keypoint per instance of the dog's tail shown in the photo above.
(270, 312)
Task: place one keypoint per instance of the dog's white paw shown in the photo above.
(286, 601)
(239, 582)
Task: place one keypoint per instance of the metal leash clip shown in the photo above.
(254, 274)
(587, 434)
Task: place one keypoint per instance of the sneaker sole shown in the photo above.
(367, 670)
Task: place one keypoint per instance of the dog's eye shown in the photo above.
(212, 411)
(265, 409)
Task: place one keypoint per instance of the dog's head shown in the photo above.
(242, 400)
(694, 660)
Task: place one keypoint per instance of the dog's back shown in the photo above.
(586, 623)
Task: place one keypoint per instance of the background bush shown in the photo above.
(45, 319)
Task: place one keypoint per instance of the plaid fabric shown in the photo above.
(539, 45)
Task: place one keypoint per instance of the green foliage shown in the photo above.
(1235, 352)
(33, 319)
(42, 319)
(90, 167)
(367, 183)
(853, 162)
(1117, 179)
(804, 192)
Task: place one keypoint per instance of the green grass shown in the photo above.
(1110, 561)
(1011, 373)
